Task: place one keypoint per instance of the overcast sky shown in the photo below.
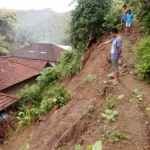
(56, 5)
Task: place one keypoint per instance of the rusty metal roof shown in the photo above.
(6, 100)
(15, 70)
(40, 51)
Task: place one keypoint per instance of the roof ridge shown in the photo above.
(8, 95)
(25, 64)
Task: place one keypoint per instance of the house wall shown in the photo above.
(17, 87)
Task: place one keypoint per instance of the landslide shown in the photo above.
(132, 119)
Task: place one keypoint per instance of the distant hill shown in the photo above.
(42, 26)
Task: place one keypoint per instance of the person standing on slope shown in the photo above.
(124, 18)
(129, 17)
(116, 50)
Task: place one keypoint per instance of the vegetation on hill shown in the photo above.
(21, 28)
(8, 37)
(144, 45)
(43, 26)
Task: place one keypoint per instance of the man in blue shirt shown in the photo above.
(116, 50)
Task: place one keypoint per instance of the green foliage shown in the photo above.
(120, 97)
(110, 102)
(115, 136)
(42, 26)
(29, 95)
(86, 23)
(89, 147)
(70, 63)
(144, 59)
(113, 18)
(144, 17)
(89, 115)
(8, 36)
(26, 115)
(78, 147)
(139, 96)
(90, 78)
(97, 146)
(48, 75)
(90, 108)
(109, 114)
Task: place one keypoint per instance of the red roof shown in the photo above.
(15, 70)
(6, 100)
(40, 51)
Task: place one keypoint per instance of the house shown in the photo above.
(6, 100)
(5, 119)
(39, 51)
(22, 66)
(15, 73)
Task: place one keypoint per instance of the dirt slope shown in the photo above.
(132, 121)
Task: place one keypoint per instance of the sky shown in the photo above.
(56, 5)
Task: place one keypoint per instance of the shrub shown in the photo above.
(57, 95)
(90, 78)
(86, 23)
(113, 18)
(70, 63)
(144, 59)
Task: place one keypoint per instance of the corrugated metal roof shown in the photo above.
(40, 51)
(6, 100)
(15, 70)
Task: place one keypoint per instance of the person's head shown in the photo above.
(129, 11)
(124, 6)
(114, 32)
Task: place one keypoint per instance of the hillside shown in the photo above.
(132, 119)
(43, 26)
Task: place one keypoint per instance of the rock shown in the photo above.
(146, 122)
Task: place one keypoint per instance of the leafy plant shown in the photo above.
(97, 146)
(56, 96)
(89, 147)
(110, 102)
(89, 115)
(110, 75)
(120, 97)
(144, 59)
(90, 108)
(115, 136)
(109, 114)
(70, 63)
(90, 78)
(138, 95)
(78, 147)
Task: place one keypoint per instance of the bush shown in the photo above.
(48, 75)
(56, 96)
(113, 18)
(70, 63)
(86, 23)
(144, 59)
(144, 17)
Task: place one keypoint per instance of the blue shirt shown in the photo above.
(124, 18)
(129, 18)
(116, 43)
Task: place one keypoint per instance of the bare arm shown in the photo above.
(120, 50)
(105, 43)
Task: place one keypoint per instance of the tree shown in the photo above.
(7, 31)
(87, 20)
